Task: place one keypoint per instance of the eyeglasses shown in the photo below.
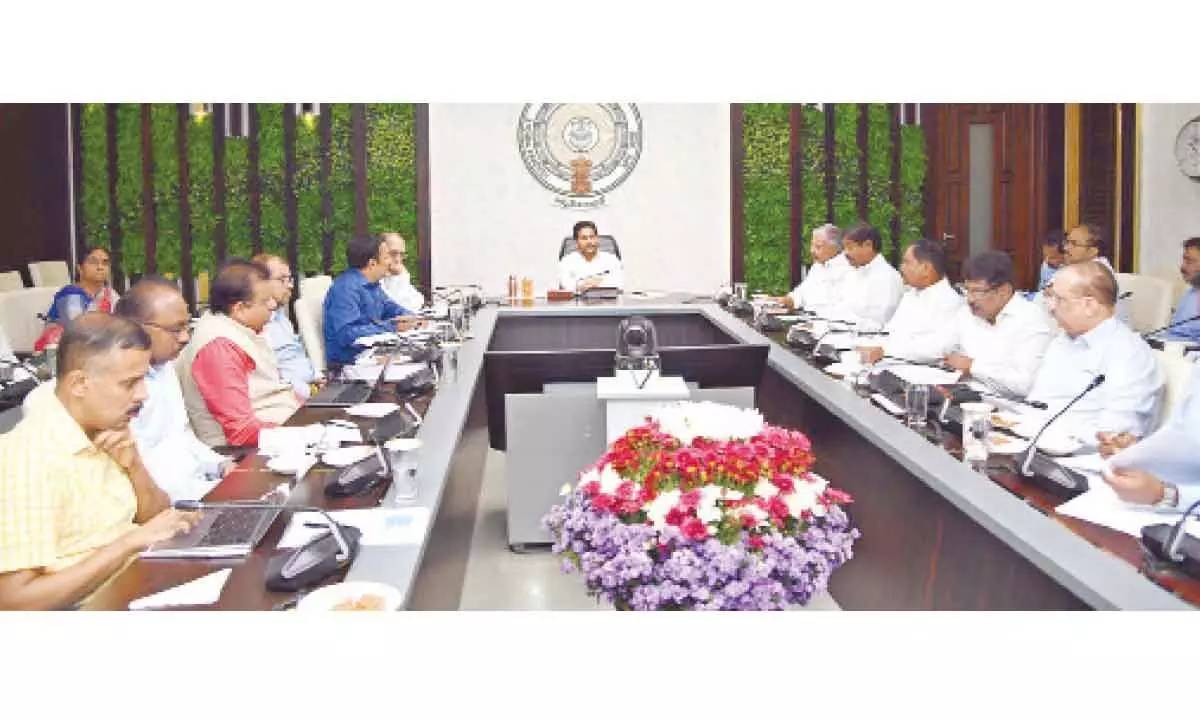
(285, 279)
(979, 293)
(1054, 298)
(176, 331)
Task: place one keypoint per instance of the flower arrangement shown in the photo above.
(703, 507)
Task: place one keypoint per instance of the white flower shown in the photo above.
(707, 510)
(687, 421)
(609, 480)
(764, 489)
(589, 476)
(658, 508)
(803, 499)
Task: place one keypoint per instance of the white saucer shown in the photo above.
(346, 455)
(327, 597)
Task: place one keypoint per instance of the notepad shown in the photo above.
(379, 526)
(201, 591)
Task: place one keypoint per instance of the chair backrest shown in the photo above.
(11, 280)
(19, 315)
(1150, 303)
(49, 273)
(310, 317)
(607, 243)
(1176, 371)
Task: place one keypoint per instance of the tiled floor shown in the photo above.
(499, 579)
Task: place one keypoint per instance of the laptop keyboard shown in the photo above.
(234, 526)
(350, 393)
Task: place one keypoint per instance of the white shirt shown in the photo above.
(1008, 353)
(869, 294)
(184, 467)
(1127, 401)
(923, 327)
(821, 288)
(573, 268)
(400, 289)
(1166, 461)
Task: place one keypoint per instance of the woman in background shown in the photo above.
(89, 292)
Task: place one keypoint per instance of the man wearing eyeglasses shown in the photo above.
(999, 338)
(1087, 243)
(181, 465)
(294, 365)
(230, 379)
(398, 283)
(1082, 298)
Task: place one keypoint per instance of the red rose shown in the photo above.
(603, 502)
(676, 516)
(784, 483)
(838, 496)
(755, 542)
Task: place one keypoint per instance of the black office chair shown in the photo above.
(607, 244)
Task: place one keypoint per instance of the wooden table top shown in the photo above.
(246, 588)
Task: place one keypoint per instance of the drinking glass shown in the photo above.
(977, 425)
(916, 405)
(404, 478)
(740, 290)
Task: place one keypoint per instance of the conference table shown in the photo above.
(936, 533)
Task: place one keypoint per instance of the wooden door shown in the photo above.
(988, 182)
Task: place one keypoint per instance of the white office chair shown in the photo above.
(310, 317)
(11, 280)
(1176, 371)
(19, 315)
(49, 273)
(1150, 304)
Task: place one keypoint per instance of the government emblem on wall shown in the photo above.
(580, 151)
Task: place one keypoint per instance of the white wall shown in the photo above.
(490, 217)
(1169, 201)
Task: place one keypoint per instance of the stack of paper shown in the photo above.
(379, 526)
(201, 591)
(1100, 505)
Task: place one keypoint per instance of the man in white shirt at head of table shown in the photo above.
(872, 288)
(921, 328)
(821, 288)
(589, 267)
(1082, 298)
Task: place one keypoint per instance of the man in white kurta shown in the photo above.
(921, 330)
(588, 267)
(821, 287)
(999, 338)
(397, 284)
(1082, 298)
(871, 289)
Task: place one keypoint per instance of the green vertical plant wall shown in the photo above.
(391, 179)
(767, 196)
(767, 180)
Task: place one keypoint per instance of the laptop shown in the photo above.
(221, 533)
(345, 393)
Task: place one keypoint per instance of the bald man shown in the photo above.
(1082, 299)
(184, 467)
(76, 498)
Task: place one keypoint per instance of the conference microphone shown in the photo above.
(1095, 383)
(1173, 544)
(1148, 335)
(306, 565)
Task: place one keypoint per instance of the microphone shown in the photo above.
(306, 565)
(1173, 325)
(361, 476)
(1173, 544)
(1095, 383)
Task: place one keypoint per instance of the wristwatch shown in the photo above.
(1170, 497)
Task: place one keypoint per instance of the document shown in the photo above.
(379, 526)
(1100, 505)
(920, 374)
(201, 591)
(1168, 453)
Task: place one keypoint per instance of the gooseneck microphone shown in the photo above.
(1173, 544)
(1029, 453)
(1172, 326)
(306, 565)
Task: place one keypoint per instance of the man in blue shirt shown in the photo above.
(294, 364)
(356, 306)
(1052, 257)
(1189, 304)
